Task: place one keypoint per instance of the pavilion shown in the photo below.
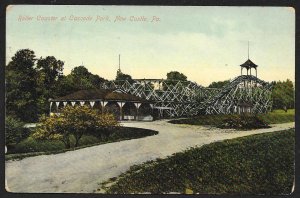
(123, 106)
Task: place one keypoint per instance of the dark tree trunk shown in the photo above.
(76, 142)
(77, 138)
(67, 143)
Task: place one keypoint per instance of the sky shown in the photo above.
(205, 43)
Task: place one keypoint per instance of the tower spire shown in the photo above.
(119, 62)
(248, 49)
(119, 70)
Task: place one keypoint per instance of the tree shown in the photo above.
(219, 84)
(75, 121)
(79, 78)
(64, 86)
(122, 76)
(175, 75)
(83, 79)
(172, 79)
(283, 95)
(20, 80)
(49, 70)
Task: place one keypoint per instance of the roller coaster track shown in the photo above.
(186, 98)
(243, 91)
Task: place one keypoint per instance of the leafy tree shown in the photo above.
(122, 76)
(219, 84)
(172, 79)
(75, 121)
(83, 79)
(175, 75)
(20, 80)
(64, 86)
(283, 95)
(49, 71)
(79, 78)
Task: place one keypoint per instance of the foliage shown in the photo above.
(219, 84)
(218, 120)
(278, 116)
(84, 79)
(79, 79)
(49, 70)
(31, 144)
(30, 82)
(172, 79)
(175, 75)
(283, 94)
(74, 121)
(32, 147)
(258, 164)
(243, 121)
(122, 76)
(20, 81)
(14, 130)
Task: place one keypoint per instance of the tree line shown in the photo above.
(31, 81)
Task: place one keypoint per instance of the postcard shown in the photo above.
(150, 99)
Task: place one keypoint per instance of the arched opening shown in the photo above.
(129, 111)
(113, 108)
(145, 112)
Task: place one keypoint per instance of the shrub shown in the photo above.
(14, 130)
(32, 145)
(236, 121)
(75, 121)
(88, 139)
(243, 121)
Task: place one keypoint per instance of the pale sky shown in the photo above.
(205, 43)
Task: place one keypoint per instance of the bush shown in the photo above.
(30, 145)
(243, 121)
(88, 139)
(75, 121)
(14, 130)
(236, 121)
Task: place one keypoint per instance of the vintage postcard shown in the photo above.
(150, 99)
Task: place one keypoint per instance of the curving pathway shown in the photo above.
(83, 170)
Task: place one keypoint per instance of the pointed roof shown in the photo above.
(249, 64)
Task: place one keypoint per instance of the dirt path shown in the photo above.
(82, 170)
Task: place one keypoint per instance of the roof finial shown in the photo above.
(248, 49)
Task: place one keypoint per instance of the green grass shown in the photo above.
(31, 147)
(279, 116)
(257, 164)
(274, 117)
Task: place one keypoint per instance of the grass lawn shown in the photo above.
(274, 117)
(31, 147)
(257, 164)
(279, 116)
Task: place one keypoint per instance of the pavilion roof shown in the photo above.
(99, 94)
(249, 64)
